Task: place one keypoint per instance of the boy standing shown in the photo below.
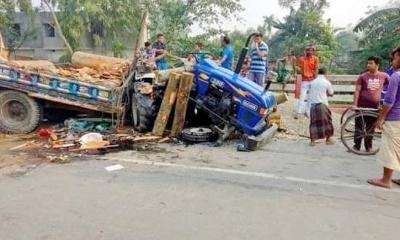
(258, 64)
(227, 55)
(369, 87)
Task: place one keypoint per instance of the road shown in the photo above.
(287, 190)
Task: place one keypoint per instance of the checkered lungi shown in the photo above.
(320, 121)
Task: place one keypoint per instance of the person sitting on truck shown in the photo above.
(161, 52)
(198, 53)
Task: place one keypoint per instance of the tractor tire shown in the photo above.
(199, 134)
(19, 113)
(144, 112)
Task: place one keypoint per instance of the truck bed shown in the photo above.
(62, 90)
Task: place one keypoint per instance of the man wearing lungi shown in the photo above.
(389, 121)
(321, 126)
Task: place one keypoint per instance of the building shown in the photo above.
(44, 41)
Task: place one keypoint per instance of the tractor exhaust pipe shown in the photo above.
(243, 54)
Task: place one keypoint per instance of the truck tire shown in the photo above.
(144, 112)
(19, 113)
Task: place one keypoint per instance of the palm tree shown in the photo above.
(379, 23)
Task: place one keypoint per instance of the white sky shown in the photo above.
(342, 12)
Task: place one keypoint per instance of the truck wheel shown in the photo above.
(19, 113)
(144, 112)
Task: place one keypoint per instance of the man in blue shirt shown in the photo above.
(161, 52)
(227, 54)
(258, 64)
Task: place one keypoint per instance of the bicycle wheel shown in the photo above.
(350, 132)
(345, 115)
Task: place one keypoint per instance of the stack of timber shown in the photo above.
(86, 67)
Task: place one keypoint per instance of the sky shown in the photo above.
(341, 12)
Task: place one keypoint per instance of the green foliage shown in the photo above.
(15, 37)
(108, 22)
(175, 17)
(113, 24)
(304, 26)
(379, 34)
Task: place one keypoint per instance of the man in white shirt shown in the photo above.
(321, 126)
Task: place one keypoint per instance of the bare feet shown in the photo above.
(379, 183)
(396, 181)
(330, 141)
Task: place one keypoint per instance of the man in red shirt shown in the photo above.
(368, 92)
(309, 65)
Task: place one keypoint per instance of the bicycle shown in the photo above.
(351, 120)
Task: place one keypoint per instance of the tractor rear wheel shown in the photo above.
(144, 112)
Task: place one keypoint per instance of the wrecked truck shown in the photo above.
(232, 103)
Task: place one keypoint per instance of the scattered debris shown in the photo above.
(88, 125)
(90, 137)
(62, 159)
(114, 167)
(22, 146)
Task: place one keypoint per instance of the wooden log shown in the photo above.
(167, 104)
(182, 100)
(33, 65)
(98, 62)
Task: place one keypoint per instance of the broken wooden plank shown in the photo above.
(167, 104)
(22, 146)
(182, 100)
(146, 139)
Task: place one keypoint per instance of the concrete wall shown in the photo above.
(41, 46)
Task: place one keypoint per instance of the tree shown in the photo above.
(378, 34)
(14, 36)
(304, 26)
(175, 17)
(114, 24)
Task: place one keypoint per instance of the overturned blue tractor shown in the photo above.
(230, 101)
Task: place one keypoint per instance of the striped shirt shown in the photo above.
(259, 64)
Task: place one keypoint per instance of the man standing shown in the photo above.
(369, 87)
(161, 52)
(258, 66)
(227, 55)
(321, 126)
(309, 65)
(389, 121)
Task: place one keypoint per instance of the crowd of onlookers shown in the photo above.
(374, 90)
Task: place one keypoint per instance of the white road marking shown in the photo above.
(256, 174)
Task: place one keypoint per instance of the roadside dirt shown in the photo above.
(299, 128)
(18, 161)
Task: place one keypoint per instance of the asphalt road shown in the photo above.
(288, 190)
